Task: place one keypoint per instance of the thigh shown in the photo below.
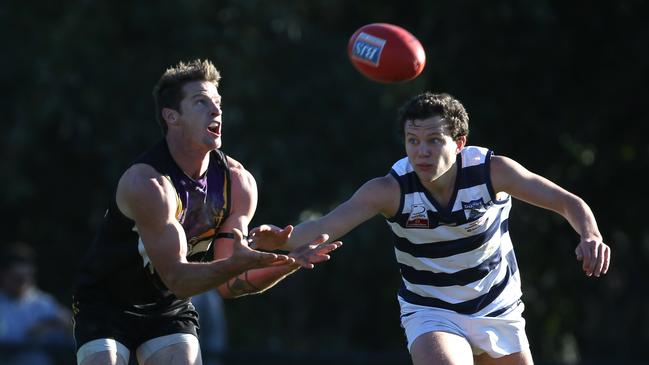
(441, 348)
(175, 349)
(104, 351)
(103, 358)
(519, 358)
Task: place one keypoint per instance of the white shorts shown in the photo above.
(497, 336)
(143, 352)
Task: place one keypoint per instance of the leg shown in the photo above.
(176, 349)
(103, 358)
(519, 358)
(105, 351)
(441, 348)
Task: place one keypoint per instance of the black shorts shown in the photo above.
(95, 319)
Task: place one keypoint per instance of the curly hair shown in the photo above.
(427, 104)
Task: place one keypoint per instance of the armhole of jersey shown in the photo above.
(487, 169)
(402, 196)
(228, 183)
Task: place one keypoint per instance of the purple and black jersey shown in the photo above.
(117, 269)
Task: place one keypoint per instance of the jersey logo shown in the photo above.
(474, 209)
(418, 217)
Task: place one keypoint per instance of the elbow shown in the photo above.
(181, 292)
(177, 286)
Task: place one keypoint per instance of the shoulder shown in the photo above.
(383, 184)
(506, 173)
(240, 176)
(475, 155)
(381, 193)
(143, 186)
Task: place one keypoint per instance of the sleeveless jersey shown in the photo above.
(116, 268)
(458, 257)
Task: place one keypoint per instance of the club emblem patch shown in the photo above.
(418, 217)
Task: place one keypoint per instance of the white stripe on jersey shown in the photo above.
(450, 264)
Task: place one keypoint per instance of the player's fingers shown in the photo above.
(320, 239)
(324, 248)
(288, 230)
(594, 258)
(599, 264)
(278, 260)
(580, 256)
(586, 259)
(607, 259)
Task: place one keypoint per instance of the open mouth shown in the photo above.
(214, 128)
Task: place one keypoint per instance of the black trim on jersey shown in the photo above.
(223, 160)
(473, 176)
(449, 248)
(461, 277)
(402, 200)
(487, 166)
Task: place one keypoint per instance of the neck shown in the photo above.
(192, 161)
(443, 186)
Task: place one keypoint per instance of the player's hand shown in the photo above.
(595, 256)
(315, 252)
(269, 237)
(246, 258)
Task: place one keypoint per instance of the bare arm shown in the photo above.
(377, 196)
(244, 204)
(509, 176)
(150, 200)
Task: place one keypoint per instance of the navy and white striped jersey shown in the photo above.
(459, 257)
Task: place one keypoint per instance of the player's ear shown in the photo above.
(170, 116)
(460, 142)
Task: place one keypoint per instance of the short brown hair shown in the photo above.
(168, 92)
(427, 104)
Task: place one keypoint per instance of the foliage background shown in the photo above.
(559, 86)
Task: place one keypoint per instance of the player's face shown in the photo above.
(430, 149)
(200, 114)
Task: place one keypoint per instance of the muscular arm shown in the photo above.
(150, 200)
(509, 176)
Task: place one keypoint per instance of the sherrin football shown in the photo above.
(386, 53)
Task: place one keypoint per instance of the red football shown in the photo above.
(386, 53)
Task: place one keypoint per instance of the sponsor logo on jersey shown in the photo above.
(418, 217)
(367, 48)
(474, 209)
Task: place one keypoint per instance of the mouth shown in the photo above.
(214, 128)
(424, 167)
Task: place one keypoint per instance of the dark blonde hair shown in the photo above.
(168, 92)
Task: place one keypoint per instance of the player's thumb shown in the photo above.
(578, 253)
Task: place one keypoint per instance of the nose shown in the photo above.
(423, 150)
(216, 109)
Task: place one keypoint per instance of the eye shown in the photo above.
(412, 140)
